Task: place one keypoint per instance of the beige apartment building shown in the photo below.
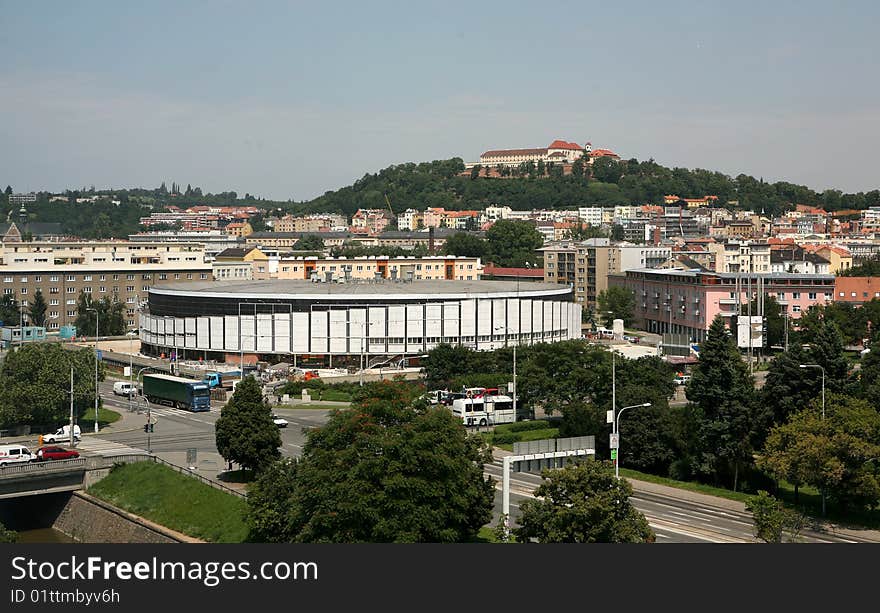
(365, 268)
(61, 270)
(585, 265)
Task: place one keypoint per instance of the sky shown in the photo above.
(287, 100)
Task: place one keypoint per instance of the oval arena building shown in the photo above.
(281, 320)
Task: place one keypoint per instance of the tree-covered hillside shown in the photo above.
(440, 183)
(443, 183)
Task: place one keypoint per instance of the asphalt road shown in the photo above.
(673, 517)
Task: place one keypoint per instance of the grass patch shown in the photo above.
(505, 435)
(105, 417)
(487, 535)
(171, 499)
(686, 485)
(333, 395)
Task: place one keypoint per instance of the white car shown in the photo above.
(280, 421)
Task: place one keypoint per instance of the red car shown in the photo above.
(55, 453)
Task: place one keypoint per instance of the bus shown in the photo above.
(485, 410)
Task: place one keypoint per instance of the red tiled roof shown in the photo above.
(561, 144)
(535, 273)
(595, 153)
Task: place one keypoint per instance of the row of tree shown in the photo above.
(507, 243)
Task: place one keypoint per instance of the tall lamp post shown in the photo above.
(823, 413)
(96, 364)
(617, 431)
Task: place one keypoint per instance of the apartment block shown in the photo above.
(101, 269)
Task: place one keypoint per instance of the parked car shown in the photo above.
(55, 453)
(14, 454)
(280, 421)
(682, 379)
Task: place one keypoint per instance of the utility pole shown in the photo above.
(96, 364)
(71, 407)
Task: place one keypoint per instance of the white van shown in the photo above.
(124, 388)
(14, 454)
(63, 434)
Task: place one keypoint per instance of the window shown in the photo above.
(53, 302)
(796, 295)
(102, 278)
(796, 308)
(38, 279)
(853, 295)
(129, 288)
(71, 277)
(23, 290)
(53, 278)
(103, 289)
(829, 295)
(146, 288)
(7, 291)
(71, 290)
(203, 275)
(71, 301)
(116, 277)
(163, 276)
(146, 277)
(87, 290)
(129, 277)
(87, 278)
(24, 279)
(130, 300)
(189, 275)
(7, 279)
(177, 275)
(780, 295)
(811, 295)
(71, 313)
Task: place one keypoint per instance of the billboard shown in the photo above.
(744, 331)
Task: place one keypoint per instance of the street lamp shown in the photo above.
(823, 413)
(149, 409)
(617, 431)
(96, 364)
(823, 383)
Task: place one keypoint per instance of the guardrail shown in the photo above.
(195, 475)
(34, 467)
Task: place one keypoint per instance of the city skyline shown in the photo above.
(287, 102)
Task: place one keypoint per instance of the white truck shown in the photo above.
(62, 434)
(487, 410)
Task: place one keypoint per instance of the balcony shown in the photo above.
(728, 301)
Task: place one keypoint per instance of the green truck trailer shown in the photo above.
(177, 392)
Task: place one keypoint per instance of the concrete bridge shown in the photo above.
(32, 479)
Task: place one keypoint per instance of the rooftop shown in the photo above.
(285, 288)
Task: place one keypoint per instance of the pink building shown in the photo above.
(686, 302)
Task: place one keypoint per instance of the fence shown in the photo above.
(195, 475)
(43, 467)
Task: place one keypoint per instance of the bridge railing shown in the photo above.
(36, 467)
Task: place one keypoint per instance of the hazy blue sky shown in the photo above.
(288, 100)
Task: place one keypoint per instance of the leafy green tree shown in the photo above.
(513, 243)
(35, 384)
(582, 503)
(38, 309)
(826, 350)
(836, 454)
(270, 504)
(310, 242)
(620, 301)
(465, 244)
(869, 374)
(9, 312)
(7, 536)
(8, 190)
(391, 470)
(245, 432)
(773, 522)
(110, 320)
(788, 387)
(723, 390)
(867, 268)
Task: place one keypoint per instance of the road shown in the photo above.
(673, 517)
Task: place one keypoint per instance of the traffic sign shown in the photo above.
(609, 416)
(614, 441)
(614, 454)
